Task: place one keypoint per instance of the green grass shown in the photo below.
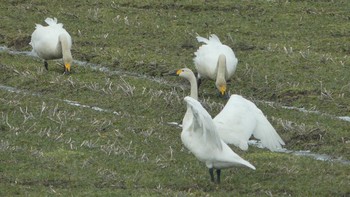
(290, 53)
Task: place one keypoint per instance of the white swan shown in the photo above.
(239, 120)
(215, 61)
(199, 135)
(52, 42)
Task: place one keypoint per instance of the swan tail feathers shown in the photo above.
(214, 38)
(201, 39)
(53, 22)
(37, 26)
(247, 164)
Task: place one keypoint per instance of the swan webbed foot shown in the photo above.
(46, 65)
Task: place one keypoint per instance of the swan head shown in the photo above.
(222, 87)
(67, 64)
(185, 73)
(188, 75)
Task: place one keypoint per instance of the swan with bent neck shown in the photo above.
(239, 120)
(215, 61)
(52, 42)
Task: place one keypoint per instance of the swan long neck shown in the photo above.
(194, 87)
(221, 73)
(66, 54)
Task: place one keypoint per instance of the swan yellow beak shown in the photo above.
(67, 68)
(178, 72)
(222, 90)
(173, 73)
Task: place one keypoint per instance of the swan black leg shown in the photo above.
(199, 82)
(218, 172)
(211, 172)
(46, 65)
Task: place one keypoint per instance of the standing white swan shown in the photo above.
(52, 42)
(239, 120)
(215, 61)
(199, 135)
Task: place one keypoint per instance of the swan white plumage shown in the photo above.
(239, 120)
(52, 42)
(199, 135)
(215, 61)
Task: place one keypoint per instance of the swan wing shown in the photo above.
(263, 130)
(235, 123)
(266, 133)
(202, 122)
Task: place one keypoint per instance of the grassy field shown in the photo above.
(103, 130)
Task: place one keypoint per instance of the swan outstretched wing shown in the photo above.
(202, 122)
(235, 122)
(267, 134)
(241, 118)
